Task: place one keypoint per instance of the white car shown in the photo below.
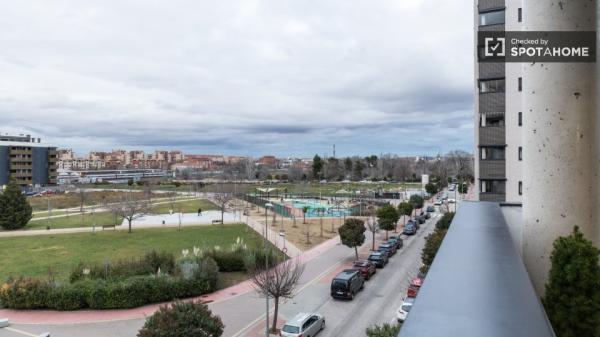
(451, 200)
(404, 309)
(303, 325)
(438, 202)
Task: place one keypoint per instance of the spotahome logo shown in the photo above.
(536, 46)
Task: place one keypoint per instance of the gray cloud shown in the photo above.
(240, 77)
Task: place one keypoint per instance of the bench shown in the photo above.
(217, 221)
(109, 226)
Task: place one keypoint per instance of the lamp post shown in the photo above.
(267, 205)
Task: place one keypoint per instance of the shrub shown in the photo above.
(445, 221)
(572, 298)
(67, 297)
(433, 242)
(25, 293)
(229, 261)
(385, 330)
(183, 319)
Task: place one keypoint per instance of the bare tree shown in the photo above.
(372, 224)
(147, 188)
(131, 209)
(222, 199)
(278, 282)
(82, 196)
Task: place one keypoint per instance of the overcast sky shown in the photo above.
(240, 77)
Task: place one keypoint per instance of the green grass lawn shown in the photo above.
(35, 256)
(187, 206)
(75, 220)
(106, 218)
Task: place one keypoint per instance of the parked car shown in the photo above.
(421, 219)
(404, 309)
(438, 202)
(426, 215)
(346, 284)
(384, 252)
(378, 259)
(412, 291)
(410, 229)
(431, 209)
(390, 248)
(303, 324)
(451, 200)
(365, 267)
(416, 282)
(415, 223)
(396, 241)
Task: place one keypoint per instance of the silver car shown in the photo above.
(303, 324)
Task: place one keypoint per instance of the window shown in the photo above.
(520, 119)
(488, 86)
(491, 18)
(492, 153)
(492, 186)
(492, 120)
(520, 15)
(520, 155)
(520, 83)
(520, 188)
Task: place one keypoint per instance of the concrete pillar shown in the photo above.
(559, 136)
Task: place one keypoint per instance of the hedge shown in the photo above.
(135, 291)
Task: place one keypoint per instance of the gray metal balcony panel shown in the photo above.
(492, 102)
(492, 70)
(477, 285)
(492, 135)
(494, 197)
(492, 169)
(485, 5)
(492, 28)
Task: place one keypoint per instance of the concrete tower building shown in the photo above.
(537, 131)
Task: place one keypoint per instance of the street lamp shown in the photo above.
(267, 205)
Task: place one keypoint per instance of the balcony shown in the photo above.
(491, 70)
(485, 5)
(492, 102)
(477, 285)
(495, 197)
(19, 151)
(492, 135)
(492, 169)
(21, 166)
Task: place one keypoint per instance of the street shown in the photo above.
(243, 314)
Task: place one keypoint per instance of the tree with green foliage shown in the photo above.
(317, 166)
(15, 211)
(445, 221)
(183, 319)
(352, 233)
(385, 330)
(416, 201)
(405, 209)
(572, 298)
(348, 165)
(433, 242)
(462, 188)
(431, 188)
(387, 217)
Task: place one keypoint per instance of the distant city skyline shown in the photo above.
(240, 77)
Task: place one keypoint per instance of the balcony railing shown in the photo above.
(477, 285)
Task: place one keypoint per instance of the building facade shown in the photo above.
(27, 162)
(498, 109)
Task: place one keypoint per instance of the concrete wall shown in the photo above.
(559, 116)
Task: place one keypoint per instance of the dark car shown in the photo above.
(430, 209)
(378, 259)
(385, 252)
(426, 215)
(410, 229)
(414, 223)
(396, 241)
(421, 219)
(365, 267)
(390, 248)
(346, 284)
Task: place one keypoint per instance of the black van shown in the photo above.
(346, 284)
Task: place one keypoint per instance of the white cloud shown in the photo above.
(248, 77)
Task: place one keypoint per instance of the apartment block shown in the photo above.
(27, 161)
(498, 109)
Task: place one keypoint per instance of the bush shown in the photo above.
(445, 221)
(229, 261)
(433, 242)
(147, 265)
(25, 293)
(572, 298)
(67, 297)
(385, 330)
(183, 319)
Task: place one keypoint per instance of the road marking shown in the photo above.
(21, 332)
(309, 283)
